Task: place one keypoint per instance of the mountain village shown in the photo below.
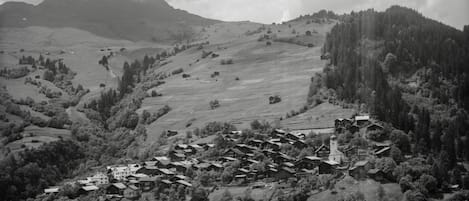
(129, 181)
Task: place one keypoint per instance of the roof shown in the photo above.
(240, 176)
(288, 164)
(181, 177)
(236, 151)
(322, 147)
(139, 175)
(382, 150)
(331, 162)
(183, 146)
(229, 158)
(119, 185)
(53, 189)
(362, 118)
(166, 171)
(313, 158)
(243, 170)
(360, 163)
(196, 146)
(374, 125)
(149, 179)
(374, 171)
(162, 159)
(279, 131)
(166, 181)
(218, 165)
(179, 155)
(185, 183)
(90, 188)
(289, 170)
(133, 187)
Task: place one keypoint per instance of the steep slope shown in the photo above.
(243, 88)
(123, 19)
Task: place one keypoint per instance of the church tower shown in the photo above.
(335, 155)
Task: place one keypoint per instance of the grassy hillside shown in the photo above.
(133, 20)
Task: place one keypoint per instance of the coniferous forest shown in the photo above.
(390, 60)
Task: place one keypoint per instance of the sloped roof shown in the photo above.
(185, 183)
(360, 163)
(119, 185)
(90, 188)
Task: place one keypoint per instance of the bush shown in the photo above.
(226, 62)
(177, 71)
(308, 33)
(268, 43)
(214, 104)
(274, 99)
(155, 94)
(186, 75)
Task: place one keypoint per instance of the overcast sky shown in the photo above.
(452, 12)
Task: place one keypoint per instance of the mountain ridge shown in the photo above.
(147, 20)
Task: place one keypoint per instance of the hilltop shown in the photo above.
(151, 20)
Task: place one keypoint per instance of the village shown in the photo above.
(131, 180)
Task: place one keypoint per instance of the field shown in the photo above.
(242, 88)
(34, 137)
(321, 116)
(367, 187)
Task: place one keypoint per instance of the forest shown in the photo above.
(375, 57)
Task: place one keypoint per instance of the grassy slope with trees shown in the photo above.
(391, 61)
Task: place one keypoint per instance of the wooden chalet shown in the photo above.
(87, 189)
(184, 183)
(323, 152)
(327, 167)
(132, 192)
(359, 170)
(177, 155)
(234, 153)
(353, 128)
(161, 161)
(362, 120)
(255, 143)
(148, 183)
(342, 123)
(376, 174)
(374, 127)
(284, 173)
(272, 145)
(148, 170)
(383, 152)
(299, 144)
(308, 162)
(116, 189)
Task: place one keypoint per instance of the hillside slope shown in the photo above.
(132, 20)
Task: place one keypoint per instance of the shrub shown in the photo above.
(274, 99)
(102, 85)
(155, 94)
(268, 43)
(226, 62)
(308, 33)
(310, 45)
(185, 75)
(214, 104)
(177, 71)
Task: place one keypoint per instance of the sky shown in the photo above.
(452, 12)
